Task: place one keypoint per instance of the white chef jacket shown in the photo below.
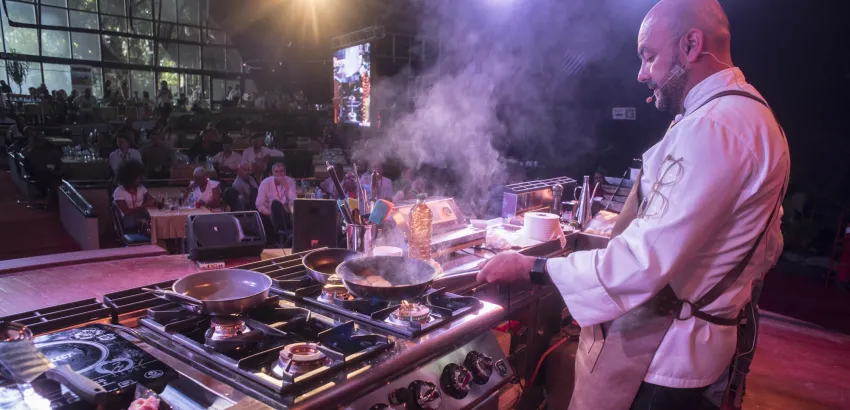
(269, 192)
(232, 161)
(116, 158)
(248, 155)
(734, 160)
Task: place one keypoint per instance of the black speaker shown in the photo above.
(219, 236)
(316, 224)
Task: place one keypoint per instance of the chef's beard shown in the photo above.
(671, 95)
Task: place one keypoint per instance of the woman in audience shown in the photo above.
(205, 147)
(123, 154)
(204, 191)
(131, 197)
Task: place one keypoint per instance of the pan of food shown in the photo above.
(391, 278)
(322, 263)
(219, 292)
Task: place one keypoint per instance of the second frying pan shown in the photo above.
(390, 278)
(322, 263)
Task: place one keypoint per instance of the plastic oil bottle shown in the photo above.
(419, 242)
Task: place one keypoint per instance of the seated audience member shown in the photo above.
(104, 145)
(258, 149)
(258, 170)
(123, 154)
(204, 191)
(227, 160)
(130, 196)
(246, 186)
(132, 134)
(277, 187)
(158, 158)
(85, 105)
(386, 189)
(15, 134)
(408, 186)
(205, 147)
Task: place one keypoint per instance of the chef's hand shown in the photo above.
(507, 267)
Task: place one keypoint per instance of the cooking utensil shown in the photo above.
(362, 201)
(24, 363)
(408, 278)
(361, 238)
(346, 211)
(322, 263)
(219, 292)
(380, 212)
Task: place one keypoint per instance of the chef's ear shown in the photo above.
(691, 44)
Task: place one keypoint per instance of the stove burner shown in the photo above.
(411, 312)
(225, 328)
(334, 289)
(299, 358)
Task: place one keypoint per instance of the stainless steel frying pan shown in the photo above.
(219, 292)
(400, 278)
(322, 263)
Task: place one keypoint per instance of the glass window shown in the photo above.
(214, 58)
(3, 75)
(173, 80)
(168, 55)
(111, 23)
(21, 40)
(88, 5)
(116, 79)
(215, 37)
(234, 61)
(33, 78)
(80, 19)
(169, 9)
(57, 77)
(113, 7)
(189, 34)
(219, 89)
(114, 49)
(142, 27)
(190, 56)
(141, 51)
(142, 81)
(58, 3)
(141, 8)
(97, 82)
(55, 43)
(188, 11)
(167, 31)
(51, 16)
(85, 46)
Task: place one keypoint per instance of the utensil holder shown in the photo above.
(361, 238)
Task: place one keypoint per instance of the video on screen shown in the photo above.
(351, 85)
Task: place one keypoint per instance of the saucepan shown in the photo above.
(219, 292)
(322, 263)
(391, 278)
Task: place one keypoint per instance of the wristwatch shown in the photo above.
(538, 273)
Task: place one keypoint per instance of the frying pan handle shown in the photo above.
(82, 386)
(464, 273)
(175, 297)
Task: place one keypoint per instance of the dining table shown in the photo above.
(171, 223)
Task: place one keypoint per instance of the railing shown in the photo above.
(78, 200)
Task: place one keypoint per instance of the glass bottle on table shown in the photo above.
(419, 222)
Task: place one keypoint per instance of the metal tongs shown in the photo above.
(343, 207)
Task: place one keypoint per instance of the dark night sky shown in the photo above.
(793, 51)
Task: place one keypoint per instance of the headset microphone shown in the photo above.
(677, 71)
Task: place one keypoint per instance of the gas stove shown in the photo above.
(313, 345)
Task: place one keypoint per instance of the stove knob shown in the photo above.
(480, 365)
(426, 395)
(455, 380)
(501, 368)
(380, 406)
(399, 396)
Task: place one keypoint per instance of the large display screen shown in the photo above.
(351, 85)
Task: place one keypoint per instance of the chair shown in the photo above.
(126, 237)
(282, 229)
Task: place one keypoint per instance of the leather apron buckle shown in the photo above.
(685, 306)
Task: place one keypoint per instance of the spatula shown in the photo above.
(25, 363)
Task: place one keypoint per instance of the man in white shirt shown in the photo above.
(85, 105)
(227, 160)
(277, 187)
(123, 154)
(259, 150)
(386, 189)
(707, 191)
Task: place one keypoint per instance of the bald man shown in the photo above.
(660, 305)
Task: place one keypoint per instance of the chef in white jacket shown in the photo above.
(707, 190)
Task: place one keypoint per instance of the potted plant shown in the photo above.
(17, 69)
